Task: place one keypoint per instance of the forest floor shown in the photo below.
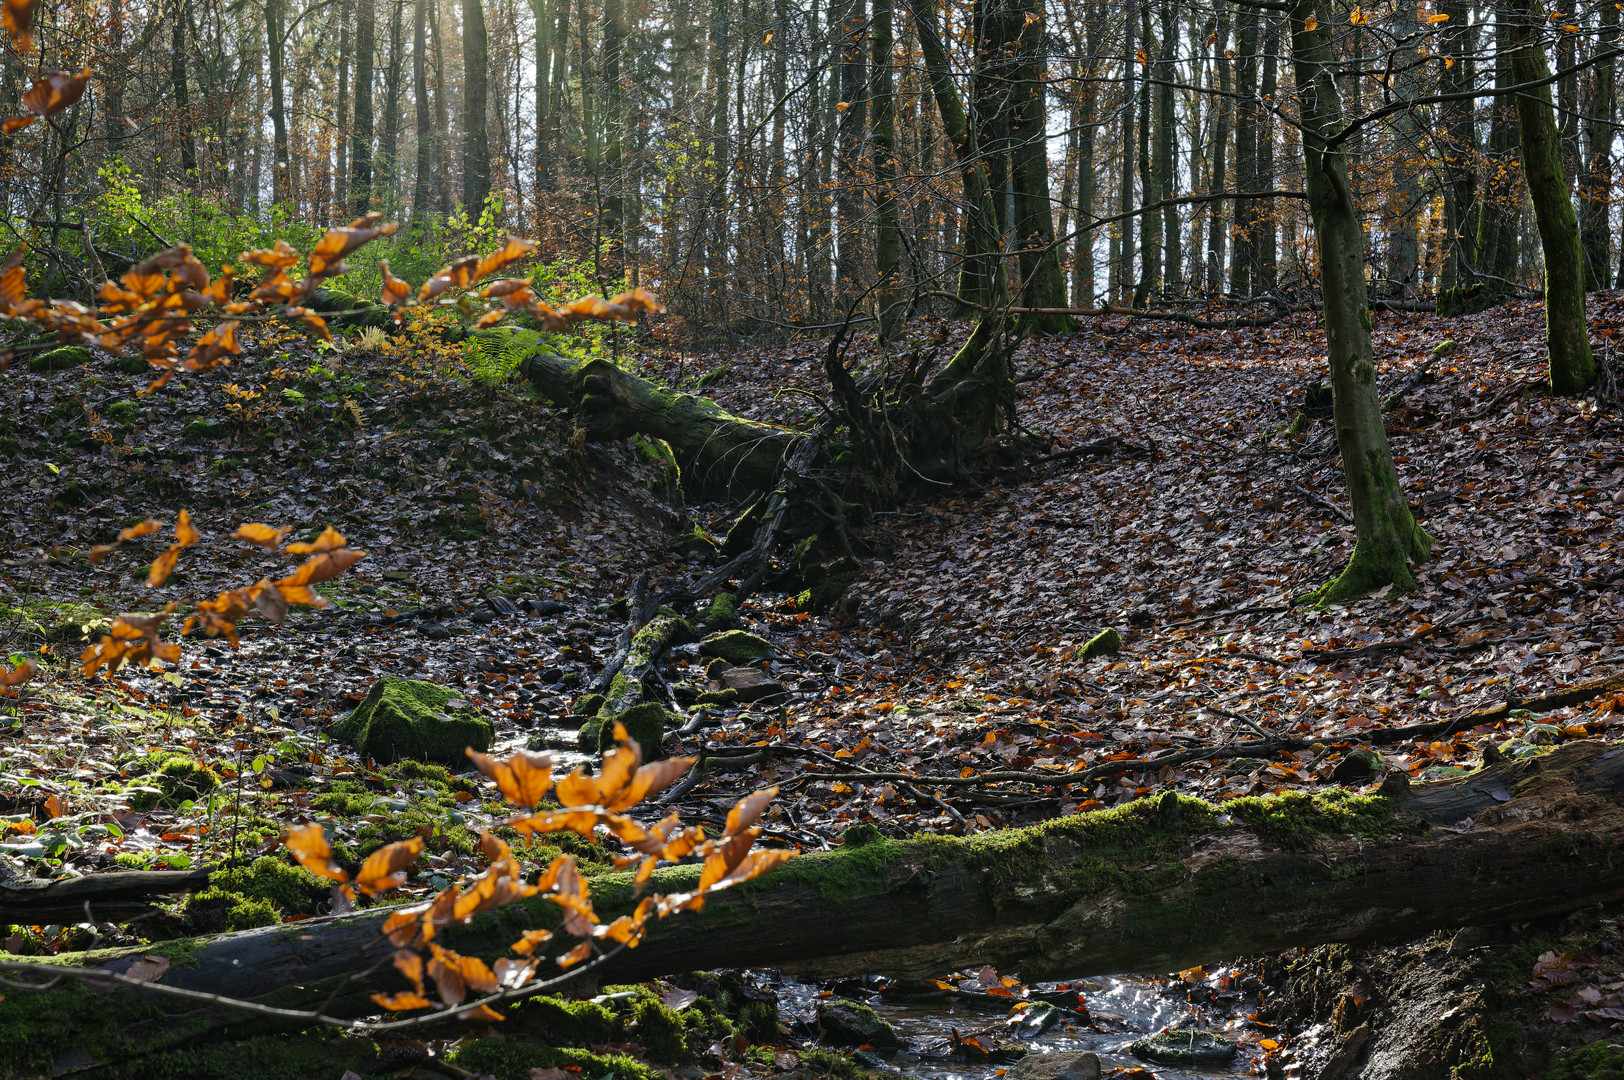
(950, 692)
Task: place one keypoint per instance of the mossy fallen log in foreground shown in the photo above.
(1157, 885)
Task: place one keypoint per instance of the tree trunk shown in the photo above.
(1403, 247)
(184, 120)
(1387, 536)
(282, 186)
(1459, 146)
(1166, 137)
(424, 166)
(1500, 200)
(848, 202)
(888, 307)
(978, 267)
(1596, 188)
(341, 175)
(361, 133)
(1265, 274)
(387, 164)
(543, 13)
(1042, 283)
(1222, 107)
(1121, 274)
(1572, 368)
(1154, 886)
(1242, 247)
(476, 147)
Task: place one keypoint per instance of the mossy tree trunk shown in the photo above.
(1567, 338)
(1156, 885)
(1387, 537)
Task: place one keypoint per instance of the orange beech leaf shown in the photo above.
(651, 779)
(490, 319)
(145, 528)
(749, 810)
(513, 974)
(403, 929)
(280, 257)
(385, 868)
(580, 822)
(523, 778)
(313, 322)
(754, 865)
(131, 639)
(303, 595)
(445, 968)
(329, 540)
(410, 965)
(726, 855)
(531, 941)
(185, 534)
(578, 789)
(324, 258)
(219, 290)
(402, 1002)
(163, 566)
(494, 848)
(16, 123)
(214, 347)
(395, 291)
(17, 16)
(506, 287)
(308, 844)
(18, 675)
(575, 955)
(322, 566)
(55, 92)
(480, 1012)
(457, 275)
(514, 250)
(263, 535)
(588, 307)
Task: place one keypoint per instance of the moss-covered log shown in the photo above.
(717, 450)
(1155, 885)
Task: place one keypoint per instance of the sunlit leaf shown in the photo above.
(56, 92)
(385, 868)
(308, 844)
(17, 16)
(263, 535)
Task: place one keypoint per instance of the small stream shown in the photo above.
(1121, 1008)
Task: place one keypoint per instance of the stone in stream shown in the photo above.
(750, 684)
(1184, 1046)
(850, 1023)
(1079, 1066)
(736, 646)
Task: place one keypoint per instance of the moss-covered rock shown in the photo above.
(718, 697)
(406, 718)
(722, 614)
(1185, 1046)
(851, 1023)
(588, 705)
(1104, 643)
(172, 779)
(645, 723)
(59, 359)
(736, 647)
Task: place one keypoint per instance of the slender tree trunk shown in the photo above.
(1244, 248)
(1459, 145)
(1387, 537)
(1265, 241)
(614, 136)
(1166, 142)
(387, 163)
(1597, 187)
(1403, 245)
(423, 168)
(1572, 368)
(888, 246)
(980, 241)
(341, 135)
(1122, 247)
(543, 13)
(1500, 201)
(1042, 283)
(1222, 109)
(1150, 221)
(853, 119)
(361, 133)
(178, 84)
(282, 186)
(442, 121)
(476, 147)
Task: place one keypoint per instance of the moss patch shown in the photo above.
(644, 723)
(172, 780)
(722, 614)
(405, 718)
(288, 889)
(60, 359)
(736, 647)
(507, 1059)
(1598, 1061)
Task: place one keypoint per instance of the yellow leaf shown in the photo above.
(1310, 24)
(1438, 18)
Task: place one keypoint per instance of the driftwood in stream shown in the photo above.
(1157, 885)
(717, 450)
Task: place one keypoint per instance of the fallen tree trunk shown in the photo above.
(1157, 885)
(717, 450)
(116, 896)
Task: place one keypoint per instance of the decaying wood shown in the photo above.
(114, 896)
(1162, 884)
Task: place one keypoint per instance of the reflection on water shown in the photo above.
(1122, 1009)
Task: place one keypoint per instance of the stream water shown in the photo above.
(1119, 1010)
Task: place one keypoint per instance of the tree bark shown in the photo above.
(341, 135)
(282, 187)
(476, 147)
(184, 120)
(1222, 107)
(888, 244)
(361, 133)
(1157, 885)
(420, 98)
(1597, 186)
(1459, 147)
(1387, 536)
(1042, 283)
(1572, 368)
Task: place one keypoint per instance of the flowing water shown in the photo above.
(1119, 1010)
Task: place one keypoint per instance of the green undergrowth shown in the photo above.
(1602, 1060)
(266, 1057)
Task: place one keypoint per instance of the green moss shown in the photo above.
(59, 359)
(176, 779)
(134, 365)
(405, 718)
(1598, 1061)
(645, 723)
(736, 647)
(289, 889)
(717, 697)
(1293, 819)
(199, 431)
(1104, 643)
(560, 1020)
(56, 621)
(827, 592)
(268, 1057)
(215, 911)
(587, 705)
(722, 614)
(657, 1028)
(509, 1059)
